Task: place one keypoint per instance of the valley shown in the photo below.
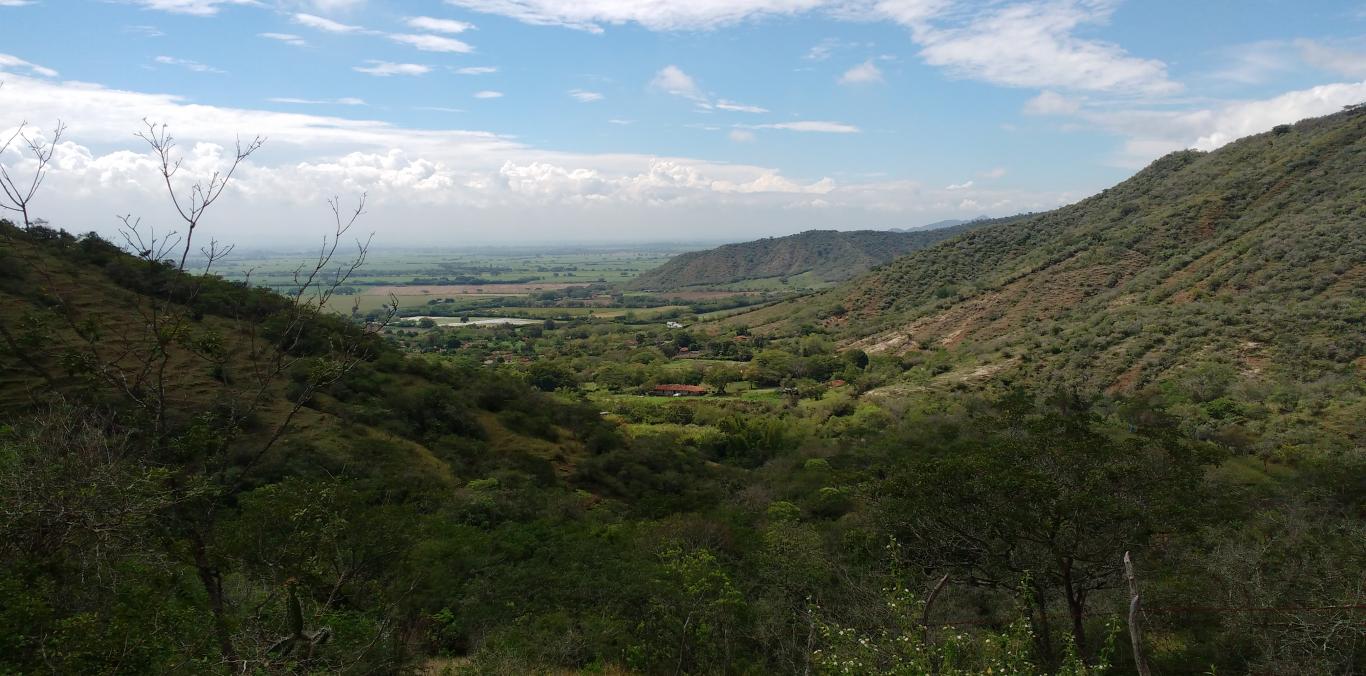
(1124, 435)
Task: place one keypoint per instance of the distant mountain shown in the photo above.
(824, 256)
(1251, 258)
(939, 225)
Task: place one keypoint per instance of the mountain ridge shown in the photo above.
(825, 255)
(1252, 256)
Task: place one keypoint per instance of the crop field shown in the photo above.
(483, 266)
(419, 277)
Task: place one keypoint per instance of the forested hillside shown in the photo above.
(951, 465)
(824, 255)
(1247, 264)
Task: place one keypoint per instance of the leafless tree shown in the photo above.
(146, 361)
(20, 189)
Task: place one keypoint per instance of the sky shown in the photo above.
(525, 121)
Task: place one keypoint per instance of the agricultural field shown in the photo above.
(473, 277)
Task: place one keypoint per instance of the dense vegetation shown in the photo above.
(197, 476)
(822, 255)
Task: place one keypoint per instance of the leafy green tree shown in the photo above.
(1045, 505)
(549, 376)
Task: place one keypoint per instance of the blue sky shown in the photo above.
(561, 120)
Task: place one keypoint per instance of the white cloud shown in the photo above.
(15, 3)
(864, 73)
(739, 107)
(816, 126)
(960, 186)
(672, 80)
(187, 64)
(1150, 133)
(433, 43)
(488, 94)
(386, 68)
(193, 7)
(287, 38)
(344, 101)
(1340, 61)
(1033, 45)
(585, 96)
(620, 122)
(1051, 103)
(324, 24)
(742, 136)
(11, 62)
(591, 15)
(427, 23)
(476, 70)
(437, 185)
(993, 173)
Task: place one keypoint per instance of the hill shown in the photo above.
(937, 225)
(824, 256)
(187, 465)
(1248, 262)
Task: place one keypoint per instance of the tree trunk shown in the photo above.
(1076, 607)
(213, 587)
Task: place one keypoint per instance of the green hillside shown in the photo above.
(1250, 259)
(939, 467)
(822, 255)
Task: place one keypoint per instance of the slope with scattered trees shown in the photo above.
(825, 255)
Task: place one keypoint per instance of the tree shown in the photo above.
(721, 376)
(549, 376)
(18, 191)
(1044, 505)
(146, 362)
(858, 358)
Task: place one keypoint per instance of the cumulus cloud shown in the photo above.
(15, 3)
(864, 73)
(1150, 133)
(433, 184)
(960, 186)
(387, 68)
(488, 94)
(434, 25)
(476, 70)
(585, 96)
(432, 43)
(742, 136)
